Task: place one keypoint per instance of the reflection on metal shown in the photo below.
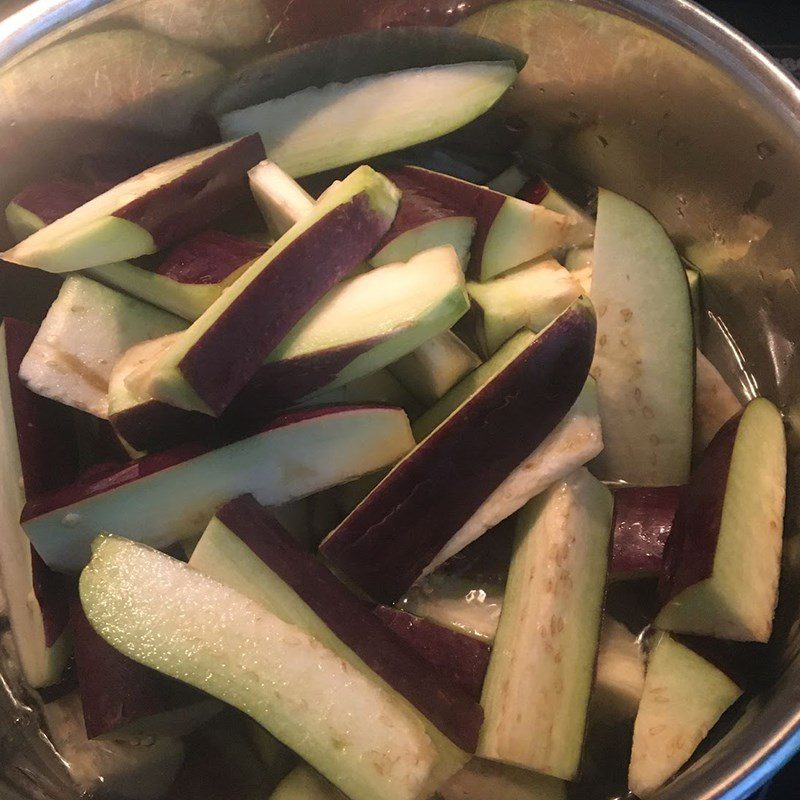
(655, 99)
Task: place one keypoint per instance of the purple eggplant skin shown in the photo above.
(450, 653)
(388, 540)
(49, 456)
(643, 518)
(439, 698)
(51, 200)
(154, 425)
(309, 267)
(467, 199)
(109, 477)
(191, 202)
(207, 258)
(690, 550)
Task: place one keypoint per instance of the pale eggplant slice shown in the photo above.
(509, 231)
(435, 367)
(347, 725)
(316, 129)
(643, 520)
(722, 560)
(86, 331)
(644, 365)
(684, 696)
(123, 699)
(305, 783)
(146, 213)
(529, 297)
(38, 450)
(538, 685)
(280, 199)
(414, 518)
(341, 59)
(176, 493)
(619, 675)
(245, 548)
(222, 350)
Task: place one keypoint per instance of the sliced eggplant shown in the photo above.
(359, 327)
(435, 367)
(722, 560)
(422, 223)
(684, 696)
(482, 779)
(644, 365)
(246, 549)
(176, 493)
(538, 190)
(377, 387)
(281, 200)
(347, 725)
(86, 331)
(432, 504)
(529, 297)
(341, 59)
(38, 450)
(509, 231)
(213, 360)
(538, 685)
(145, 213)
(316, 129)
(189, 277)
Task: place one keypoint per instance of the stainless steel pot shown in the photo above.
(656, 99)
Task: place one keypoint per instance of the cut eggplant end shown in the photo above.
(722, 561)
(390, 755)
(456, 231)
(280, 199)
(684, 696)
(537, 689)
(435, 367)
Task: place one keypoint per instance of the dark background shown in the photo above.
(775, 25)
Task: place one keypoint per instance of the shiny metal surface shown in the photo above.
(656, 99)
